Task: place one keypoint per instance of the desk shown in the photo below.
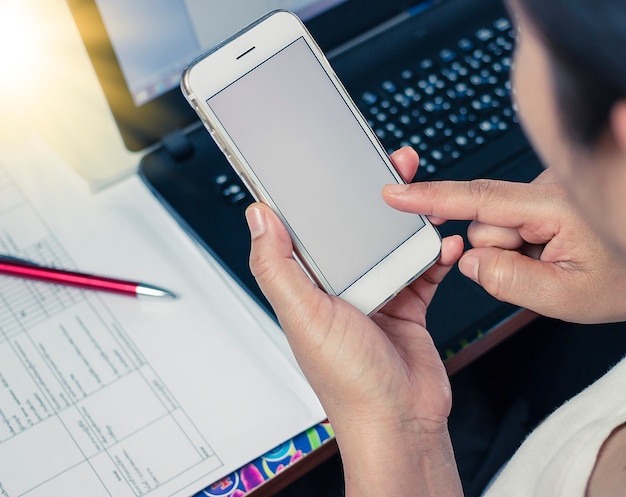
(320, 439)
(101, 158)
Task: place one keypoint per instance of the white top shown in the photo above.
(558, 457)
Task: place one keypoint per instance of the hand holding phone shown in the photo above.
(273, 104)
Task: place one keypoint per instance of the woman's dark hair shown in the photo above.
(586, 41)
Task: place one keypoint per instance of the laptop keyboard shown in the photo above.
(449, 104)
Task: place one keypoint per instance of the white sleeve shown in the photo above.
(556, 460)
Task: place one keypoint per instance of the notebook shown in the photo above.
(430, 74)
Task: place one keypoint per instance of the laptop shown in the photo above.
(431, 74)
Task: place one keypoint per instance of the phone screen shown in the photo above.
(314, 159)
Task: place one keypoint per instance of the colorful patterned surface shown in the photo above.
(260, 470)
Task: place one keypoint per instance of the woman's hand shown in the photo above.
(380, 380)
(530, 245)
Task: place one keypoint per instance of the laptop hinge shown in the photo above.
(390, 23)
(178, 145)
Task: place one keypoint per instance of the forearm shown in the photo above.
(412, 462)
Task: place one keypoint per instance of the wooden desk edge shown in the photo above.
(498, 334)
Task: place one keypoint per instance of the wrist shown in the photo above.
(409, 458)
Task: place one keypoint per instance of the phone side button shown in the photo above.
(219, 142)
(246, 182)
(202, 118)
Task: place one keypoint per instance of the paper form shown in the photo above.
(106, 395)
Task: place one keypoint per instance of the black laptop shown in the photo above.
(430, 74)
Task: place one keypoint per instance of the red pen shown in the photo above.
(13, 266)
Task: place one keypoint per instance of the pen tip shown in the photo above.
(153, 291)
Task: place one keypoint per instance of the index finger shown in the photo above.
(499, 203)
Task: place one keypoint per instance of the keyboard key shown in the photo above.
(221, 179)
(462, 141)
(476, 79)
(461, 88)
(422, 147)
(502, 24)
(233, 193)
(369, 98)
(389, 86)
(472, 62)
(426, 64)
(450, 75)
(460, 69)
(405, 120)
(437, 155)
(447, 55)
(401, 99)
(488, 127)
(484, 34)
(430, 132)
(466, 44)
(427, 166)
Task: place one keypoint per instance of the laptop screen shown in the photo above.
(154, 40)
(139, 48)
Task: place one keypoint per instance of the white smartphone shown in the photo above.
(275, 107)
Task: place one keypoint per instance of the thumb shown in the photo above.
(278, 274)
(513, 277)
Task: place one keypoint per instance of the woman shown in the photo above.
(381, 380)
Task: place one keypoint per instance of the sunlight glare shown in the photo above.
(21, 48)
(17, 43)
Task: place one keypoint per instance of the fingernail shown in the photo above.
(397, 188)
(468, 265)
(256, 221)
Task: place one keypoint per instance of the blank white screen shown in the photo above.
(315, 160)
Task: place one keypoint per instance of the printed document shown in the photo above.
(104, 394)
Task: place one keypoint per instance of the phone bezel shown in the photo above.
(270, 34)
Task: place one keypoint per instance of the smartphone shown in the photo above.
(273, 104)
